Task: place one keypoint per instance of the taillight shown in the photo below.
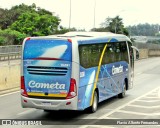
(72, 90)
(69, 40)
(28, 38)
(23, 89)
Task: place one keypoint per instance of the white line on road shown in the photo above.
(26, 112)
(141, 106)
(138, 113)
(148, 101)
(155, 92)
(120, 107)
(138, 73)
(151, 97)
(9, 93)
(111, 118)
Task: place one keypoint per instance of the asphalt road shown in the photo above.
(141, 102)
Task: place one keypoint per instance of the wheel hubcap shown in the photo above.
(95, 102)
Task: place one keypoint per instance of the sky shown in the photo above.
(82, 11)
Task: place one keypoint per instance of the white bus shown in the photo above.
(76, 70)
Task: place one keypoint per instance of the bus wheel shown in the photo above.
(48, 111)
(94, 106)
(122, 95)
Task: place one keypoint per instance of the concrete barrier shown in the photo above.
(154, 52)
(143, 53)
(9, 76)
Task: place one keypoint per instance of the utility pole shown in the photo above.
(94, 14)
(70, 15)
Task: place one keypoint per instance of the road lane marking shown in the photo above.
(111, 118)
(120, 107)
(159, 93)
(150, 97)
(148, 100)
(138, 73)
(141, 106)
(9, 93)
(26, 112)
(138, 113)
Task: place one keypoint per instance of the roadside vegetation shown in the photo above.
(22, 20)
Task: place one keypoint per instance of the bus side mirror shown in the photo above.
(136, 52)
(137, 55)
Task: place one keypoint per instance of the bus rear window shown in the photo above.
(42, 48)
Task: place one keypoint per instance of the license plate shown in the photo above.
(46, 103)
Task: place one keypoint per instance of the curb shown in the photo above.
(9, 90)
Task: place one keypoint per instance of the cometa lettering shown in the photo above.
(116, 70)
(34, 84)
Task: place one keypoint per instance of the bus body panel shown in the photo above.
(111, 79)
(87, 78)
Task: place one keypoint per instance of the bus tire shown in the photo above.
(122, 95)
(94, 106)
(47, 110)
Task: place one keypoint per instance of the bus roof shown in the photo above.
(94, 35)
(86, 36)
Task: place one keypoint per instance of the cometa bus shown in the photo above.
(76, 70)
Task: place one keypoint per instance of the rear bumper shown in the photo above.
(48, 104)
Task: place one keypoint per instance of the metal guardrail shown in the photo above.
(10, 52)
(146, 45)
(10, 56)
(10, 48)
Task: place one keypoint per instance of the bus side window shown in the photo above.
(82, 52)
(117, 51)
(124, 52)
(108, 55)
(96, 51)
(90, 55)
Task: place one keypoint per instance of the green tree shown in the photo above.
(11, 37)
(63, 30)
(11, 15)
(2, 40)
(35, 24)
(101, 29)
(144, 29)
(114, 25)
(16, 13)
